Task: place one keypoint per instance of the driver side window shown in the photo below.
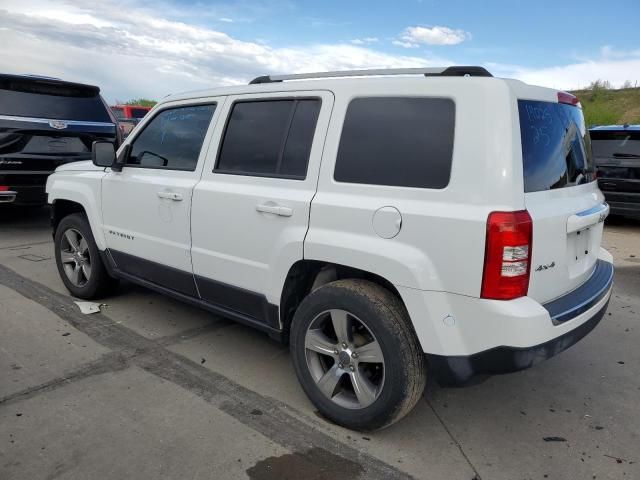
(172, 139)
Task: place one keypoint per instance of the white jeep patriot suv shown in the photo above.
(386, 225)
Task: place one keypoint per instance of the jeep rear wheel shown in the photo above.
(356, 354)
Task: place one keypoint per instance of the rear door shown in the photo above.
(561, 195)
(251, 209)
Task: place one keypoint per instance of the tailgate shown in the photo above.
(45, 122)
(567, 232)
(43, 144)
(617, 157)
(566, 207)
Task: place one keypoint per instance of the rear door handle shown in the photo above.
(586, 218)
(176, 197)
(275, 209)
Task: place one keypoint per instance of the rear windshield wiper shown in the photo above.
(626, 155)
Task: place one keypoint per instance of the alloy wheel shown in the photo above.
(75, 257)
(344, 359)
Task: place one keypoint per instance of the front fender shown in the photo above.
(83, 188)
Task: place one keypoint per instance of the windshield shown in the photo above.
(616, 144)
(556, 151)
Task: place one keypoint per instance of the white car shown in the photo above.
(386, 223)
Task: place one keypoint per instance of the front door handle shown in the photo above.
(176, 197)
(275, 209)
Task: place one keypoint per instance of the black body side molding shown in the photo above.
(238, 304)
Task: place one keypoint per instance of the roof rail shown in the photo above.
(454, 71)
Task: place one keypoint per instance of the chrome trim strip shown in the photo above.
(597, 209)
(575, 310)
(47, 120)
(8, 196)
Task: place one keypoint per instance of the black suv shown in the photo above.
(45, 122)
(616, 151)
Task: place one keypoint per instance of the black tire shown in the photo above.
(387, 319)
(99, 283)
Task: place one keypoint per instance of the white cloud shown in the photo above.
(436, 35)
(616, 66)
(226, 19)
(364, 41)
(133, 53)
(400, 43)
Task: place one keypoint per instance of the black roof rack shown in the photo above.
(453, 71)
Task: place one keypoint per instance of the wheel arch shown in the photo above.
(305, 276)
(61, 208)
(70, 195)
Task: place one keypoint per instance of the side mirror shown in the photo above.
(103, 153)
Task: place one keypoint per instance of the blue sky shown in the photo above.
(531, 33)
(151, 48)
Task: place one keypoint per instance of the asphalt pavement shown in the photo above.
(154, 389)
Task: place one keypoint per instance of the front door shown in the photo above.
(147, 206)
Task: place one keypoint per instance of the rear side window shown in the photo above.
(29, 98)
(269, 138)
(397, 141)
(620, 144)
(172, 139)
(556, 151)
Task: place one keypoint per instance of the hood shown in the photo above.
(85, 166)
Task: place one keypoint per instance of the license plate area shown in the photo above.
(581, 250)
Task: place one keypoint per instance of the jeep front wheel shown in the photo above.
(78, 259)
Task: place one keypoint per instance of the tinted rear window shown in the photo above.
(615, 144)
(28, 98)
(397, 141)
(269, 138)
(556, 150)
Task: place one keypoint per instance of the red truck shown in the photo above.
(128, 116)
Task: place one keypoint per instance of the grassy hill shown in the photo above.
(606, 107)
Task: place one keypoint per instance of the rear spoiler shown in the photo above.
(46, 85)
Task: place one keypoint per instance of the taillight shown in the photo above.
(565, 97)
(507, 258)
(4, 188)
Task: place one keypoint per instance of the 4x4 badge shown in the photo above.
(57, 124)
(545, 267)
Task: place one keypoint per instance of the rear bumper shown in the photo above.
(24, 195)
(464, 336)
(8, 196)
(24, 188)
(499, 360)
(590, 300)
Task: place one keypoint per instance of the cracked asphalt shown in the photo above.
(153, 389)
